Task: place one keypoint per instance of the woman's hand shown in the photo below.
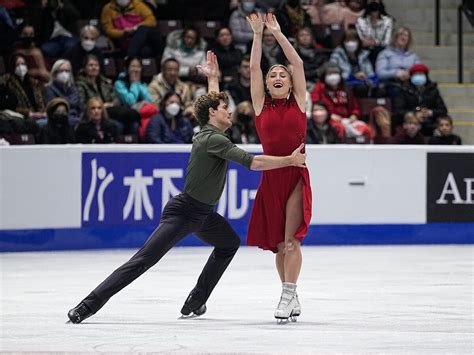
(256, 21)
(272, 23)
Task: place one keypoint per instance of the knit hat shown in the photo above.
(51, 106)
(419, 68)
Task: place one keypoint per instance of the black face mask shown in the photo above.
(245, 119)
(59, 118)
(373, 7)
(27, 41)
(293, 3)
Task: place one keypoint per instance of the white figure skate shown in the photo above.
(289, 307)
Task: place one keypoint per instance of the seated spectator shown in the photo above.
(169, 125)
(353, 11)
(131, 25)
(87, 45)
(343, 107)
(394, 62)
(91, 83)
(292, 16)
(189, 49)
(444, 133)
(420, 95)
(380, 124)
(34, 57)
(271, 51)
(410, 132)
(62, 85)
(374, 29)
(320, 129)
(312, 55)
(335, 95)
(239, 90)
(96, 127)
(228, 56)
(129, 88)
(355, 64)
(243, 34)
(26, 90)
(57, 130)
(168, 80)
(243, 129)
(57, 27)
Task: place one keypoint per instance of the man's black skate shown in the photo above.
(194, 306)
(79, 313)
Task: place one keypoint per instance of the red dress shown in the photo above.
(282, 128)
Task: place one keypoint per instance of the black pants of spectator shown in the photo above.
(182, 215)
(145, 43)
(373, 54)
(128, 119)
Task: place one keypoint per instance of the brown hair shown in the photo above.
(398, 32)
(88, 107)
(445, 118)
(205, 102)
(410, 117)
(380, 121)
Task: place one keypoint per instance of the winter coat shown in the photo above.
(159, 130)
(313, 60)
(228, 58)
(88, 89)
(25, 102)
(339, 57)
(339, 101)
(70, 94)
(132, 93)
(392, 59)
(86, 132)
(159, 87)
(317, 135)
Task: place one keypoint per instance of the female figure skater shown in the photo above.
(282, 208)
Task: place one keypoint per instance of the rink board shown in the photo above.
(94, 197)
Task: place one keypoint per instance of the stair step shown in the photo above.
(457, 89)
(424, 38)
(450, 75)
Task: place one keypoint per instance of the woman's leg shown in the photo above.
(279, 261)
(292, 251)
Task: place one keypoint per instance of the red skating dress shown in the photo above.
(282, 128)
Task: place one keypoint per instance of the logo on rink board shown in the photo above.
(133, 188)
(450, 187)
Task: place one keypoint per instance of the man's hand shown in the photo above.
(211, 69)
(298, 158)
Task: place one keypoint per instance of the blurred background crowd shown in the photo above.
(124, 71)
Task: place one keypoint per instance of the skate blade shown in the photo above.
(191, 316)
(68, 322)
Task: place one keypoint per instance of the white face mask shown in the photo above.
(333, 79)
(88, 45)
(21, 70)
(173, 109)
(63, 77)
(123, 3)
(351, 46)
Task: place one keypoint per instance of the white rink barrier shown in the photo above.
(94, 196)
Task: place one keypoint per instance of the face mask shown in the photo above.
(27, 41)
(63, 77)
(351, 46)
(123, 3)
(59, 117)
(173, 109)
(333, 79)
(248, 6)
(246, 119)
(21, 70)
(418, 79)
(88, 45)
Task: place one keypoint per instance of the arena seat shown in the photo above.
(149, 69)
(19, 139)
(167, 26)
(127, 139)
(367, 104)
(207, 29)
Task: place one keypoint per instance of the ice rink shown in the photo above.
(390, 299)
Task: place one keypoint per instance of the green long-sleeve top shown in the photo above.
(207, 166)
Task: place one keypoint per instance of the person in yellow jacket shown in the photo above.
(131, 25)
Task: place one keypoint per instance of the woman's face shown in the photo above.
(304, 38)
(92, 68)
(402, 39)
(95, 111)
(278, 82)
(173, 99)
(135, 68)
(88, 35)
(190, 38)
(268, 38)
(20, 60)
(224, 37)
(319, 114)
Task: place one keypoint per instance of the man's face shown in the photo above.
(171, 72)
(221, 117)
(445, 127)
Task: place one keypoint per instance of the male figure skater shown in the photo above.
(192, 211)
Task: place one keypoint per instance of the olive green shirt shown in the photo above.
(207, 167)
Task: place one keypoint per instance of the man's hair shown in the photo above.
(205, 102)
(410, 117)
(444, 118)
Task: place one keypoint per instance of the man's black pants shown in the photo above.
(182, 215)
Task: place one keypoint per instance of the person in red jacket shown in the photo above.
(336, 95)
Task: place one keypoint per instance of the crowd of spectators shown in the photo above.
(112, 72)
